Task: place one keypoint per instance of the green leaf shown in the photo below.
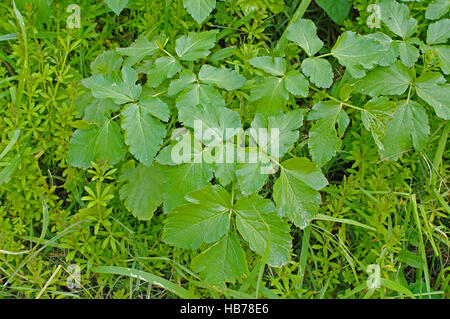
(222, 262)
(251, 177)
(96, 143)
(116, 5)
(296, 190)
(182, 179)
(99, 111)
(120, 92)
(140, 49)
(221, 122)
(357, 53)
(391, 50)
(286, 125)
(392, 80)
(409, 54)
(377, 112)
(142, 190)
(297, 84)
(186, 78)
(107, 63)
(304, 33)
(222, 77)
(143, 133)
(323, 137)
(199, 94)
(319, 71)
(443, 52)
(434, 89)
(271, 65)
(438, 32)
(337, 10)
(199, 9)
(269, 95)
(155, 107)
(258, 224)
(408, 128)
(411, 259)
(195, 45)
(437, 9)
(164, 68)
(205, 219)
(396, 16)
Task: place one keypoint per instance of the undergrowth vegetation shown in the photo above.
(97, 95)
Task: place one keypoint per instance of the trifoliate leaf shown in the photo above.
(296, 190)
(142, 190)
(437, 9)
(143, 133)
(103, 143)
(324, 141)
(296, 83)
(396, 16)
(164, 68)
(434, 89)
(199, 9)
(304, 33)
(438, 32)
(116, 5)
(222, 262)
(408, 128)
(271, 65)
(224, 78)
(205, 219)
(337, 10)
(195, 45)
(376, 113)
(319, 71)
(392, 80)
(259, 225)
(357, 53)
(269, 95)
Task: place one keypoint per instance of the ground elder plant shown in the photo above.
(134, 106)
(279, 150)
